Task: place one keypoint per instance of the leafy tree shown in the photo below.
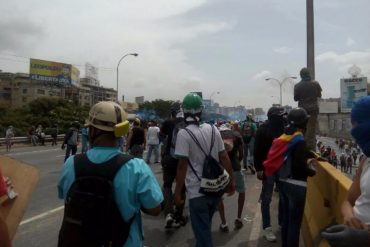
(47, 111)
(155, 110)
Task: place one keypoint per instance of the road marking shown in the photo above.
(40, 216)
(30, 152)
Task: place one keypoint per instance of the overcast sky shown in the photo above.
(229, 46)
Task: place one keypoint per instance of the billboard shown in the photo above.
(328, 106)
(48, 71)
(199, 93)
(351, 90)
(75, 76)
(139, 100)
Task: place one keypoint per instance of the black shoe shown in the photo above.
(181, 220)
(169, 221)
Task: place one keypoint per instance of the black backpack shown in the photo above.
(91, 215)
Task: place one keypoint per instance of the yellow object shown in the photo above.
(121, 129)
(326, 192)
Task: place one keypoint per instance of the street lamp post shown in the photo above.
(281, 83)
(129, 54)
(310, 38)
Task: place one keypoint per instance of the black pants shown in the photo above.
(169, 166)
(71, 150)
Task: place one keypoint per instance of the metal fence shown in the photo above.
(27, 139)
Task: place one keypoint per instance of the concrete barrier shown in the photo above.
(325, 193)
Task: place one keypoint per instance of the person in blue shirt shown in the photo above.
(136, 189)
(85, 139)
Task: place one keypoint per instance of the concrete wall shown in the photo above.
(336, 125)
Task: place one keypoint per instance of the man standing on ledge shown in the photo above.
(306, 93)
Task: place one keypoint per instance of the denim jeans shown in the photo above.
(151, 148)
(265, 199)
(248, 149)
(201, 213)
(294, 198)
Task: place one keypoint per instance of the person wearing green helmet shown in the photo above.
(192, 106)
(189, 149)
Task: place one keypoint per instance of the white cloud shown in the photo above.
(283, 50)
(192, 83)
(261, 75)
(139, 83)
(350, 42)
(353, 57)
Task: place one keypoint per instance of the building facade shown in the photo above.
(18, 90)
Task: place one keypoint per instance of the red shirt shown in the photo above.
(3, 187)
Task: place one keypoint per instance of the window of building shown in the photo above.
(24, 90)
(24, 99)
(40, 91)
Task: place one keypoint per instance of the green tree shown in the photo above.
(46, 111)
(158, 108)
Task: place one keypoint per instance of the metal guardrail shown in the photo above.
(27, 139)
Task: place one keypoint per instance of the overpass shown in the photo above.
(42, 220)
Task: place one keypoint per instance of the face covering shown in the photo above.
(361, 134)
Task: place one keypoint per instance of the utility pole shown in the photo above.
(310, 38)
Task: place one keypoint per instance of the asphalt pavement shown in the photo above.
(328, 141)
(42, 219)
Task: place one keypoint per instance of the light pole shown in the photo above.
(129, 54)
(281, 83)
(310, 38)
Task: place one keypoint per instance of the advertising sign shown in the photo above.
(139, 100)
(75, 76)
(48, 71)
(351, 90)
(328, 106)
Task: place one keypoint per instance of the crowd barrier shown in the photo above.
(325, 193)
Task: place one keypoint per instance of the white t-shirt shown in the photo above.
(153, 133)
(186, 147)
(362, 204)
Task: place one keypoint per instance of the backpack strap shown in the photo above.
(191, 134)
(108, 170)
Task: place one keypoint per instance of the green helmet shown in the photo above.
(192, 103)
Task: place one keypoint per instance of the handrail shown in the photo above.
(326, 192)
(27, 139)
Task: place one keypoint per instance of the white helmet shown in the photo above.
(106, 115)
